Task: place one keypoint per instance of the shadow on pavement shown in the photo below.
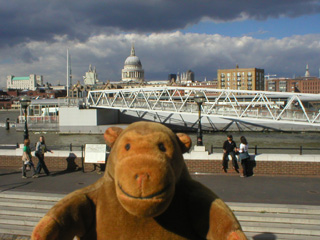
(13, 186)
(59, 173)
(9, 173)
(265, 236)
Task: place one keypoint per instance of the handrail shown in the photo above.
(229, 104)
(71, 147)
(301, 149)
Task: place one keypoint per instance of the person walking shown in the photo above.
(229, 148)
(244, 156)
(27, 159)
(41, 149)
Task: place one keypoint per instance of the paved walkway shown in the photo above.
(248, 197)
(230, 187)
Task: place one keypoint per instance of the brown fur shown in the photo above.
(146, 193)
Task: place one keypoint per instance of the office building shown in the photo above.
(299, 84)
(241, 78)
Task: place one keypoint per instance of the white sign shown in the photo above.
(95, 153)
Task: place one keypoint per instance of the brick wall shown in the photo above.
(53, 163)
(262, 167)
(194, 166)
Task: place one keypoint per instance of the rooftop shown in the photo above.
(20, 78)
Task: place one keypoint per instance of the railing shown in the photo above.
(257, 150)
(235, 104)
(294, 150)
(69, 101)
(39, 119)
(9, 146)
(81, 148)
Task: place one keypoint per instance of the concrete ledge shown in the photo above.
(196, 161)
(18, 152)
(194, 155)
(287, 157)
(198, 153)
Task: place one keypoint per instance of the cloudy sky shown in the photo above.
(170, 36)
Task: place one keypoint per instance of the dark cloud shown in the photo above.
(28, 57)
(29, 20)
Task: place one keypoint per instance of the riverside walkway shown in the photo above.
(268, 207)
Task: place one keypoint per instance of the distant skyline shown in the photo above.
(169, 36)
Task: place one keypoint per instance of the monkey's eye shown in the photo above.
(127, 146)
(162, 147)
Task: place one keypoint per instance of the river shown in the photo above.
(261, 139)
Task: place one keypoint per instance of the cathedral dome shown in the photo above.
(133, 60)
(132, 70)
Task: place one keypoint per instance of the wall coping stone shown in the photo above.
(193, 155)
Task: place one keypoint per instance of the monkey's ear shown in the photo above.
(184, 142)
(111, 135)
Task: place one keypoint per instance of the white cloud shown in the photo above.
(161, 54)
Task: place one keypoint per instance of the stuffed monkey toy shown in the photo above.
(145, 193)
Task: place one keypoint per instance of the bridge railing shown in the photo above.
(273, 106)
(256, 149)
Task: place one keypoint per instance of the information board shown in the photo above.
(95, 153)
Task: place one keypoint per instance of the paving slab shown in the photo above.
(300, 190)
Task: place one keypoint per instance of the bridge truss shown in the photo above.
(235, 105)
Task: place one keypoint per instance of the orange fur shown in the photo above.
(146, 193)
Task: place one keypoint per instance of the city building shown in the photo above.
(132, 70)
(241, 78)
(306, 84)
(24, 83)
(185, 78)
(91, 76)
(172, 77)
(299, 84)
(5, 100)
(281, 85)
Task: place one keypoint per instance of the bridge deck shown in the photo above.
(235, 105)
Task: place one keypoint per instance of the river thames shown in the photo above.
(216, 139)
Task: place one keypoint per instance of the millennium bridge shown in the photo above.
(221, 109)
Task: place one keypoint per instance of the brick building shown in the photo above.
(301, 84)
(241, 78)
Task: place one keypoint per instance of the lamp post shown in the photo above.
(199, 98)
(25, 102)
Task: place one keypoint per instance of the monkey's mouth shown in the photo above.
(160, 195)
